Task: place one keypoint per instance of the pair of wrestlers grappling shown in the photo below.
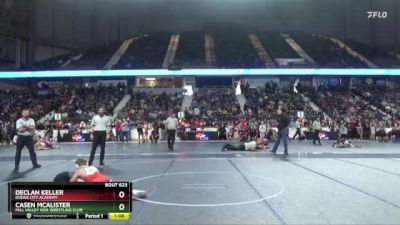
(85, 173)
(261, 144)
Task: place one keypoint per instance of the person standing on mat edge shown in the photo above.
(25, 129)
(316, 125)
(100, 126)
(283, 130)
(171, 124)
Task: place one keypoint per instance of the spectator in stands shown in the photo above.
(316, 126)
(221, 132)
(381, 134)
(118, 132)
(11, 132)
(395, 133)
(253, 132)
(360, 129)
(124, 131)
(140, 133)
(243, 128)
(44, 143)
(343, 131)
(231, 130)
(373, 130)
(1, 132)
(262, 130)
(154, 136)
(146, 132)
(163, 132)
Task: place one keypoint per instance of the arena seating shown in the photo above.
(326, 53)
(379, 56)
(276, 45)
(234, 50)
(145, 53)
(13, 101)
(381, 97)
(95, 58)
(50, 64)
(190, 51)
(342, 105)
(81, 104)
(149, 107)
(215, 104)
(261, 103)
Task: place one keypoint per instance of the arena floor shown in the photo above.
(199, 184)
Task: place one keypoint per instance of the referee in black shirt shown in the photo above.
(283, 130)
(25, 130)
(101, 125)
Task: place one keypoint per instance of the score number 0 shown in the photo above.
(121, 206)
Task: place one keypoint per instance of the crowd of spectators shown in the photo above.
(349, 112)
(81, 104)
(214, 104)
(341, 104)
(261, 103)
(13, 101)
(384, 98)
(150, 107)
(360, 118)
(76, 105)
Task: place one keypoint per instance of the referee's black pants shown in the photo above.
(98, 139)
(316, 137)
(171, 138)
(28, 142)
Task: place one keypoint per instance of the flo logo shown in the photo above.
(377, 14)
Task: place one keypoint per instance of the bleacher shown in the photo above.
(380, 56)
(190, 51)
(95, 58)
(234, 50)
(145, 53)
(276, 45)
(326, 53)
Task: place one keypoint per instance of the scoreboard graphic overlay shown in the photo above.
(47, 200)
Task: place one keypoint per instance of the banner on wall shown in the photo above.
(328, 82)
(111, 82)
(78, 137)
(255, 83)
(201, 136)
(44, 87)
